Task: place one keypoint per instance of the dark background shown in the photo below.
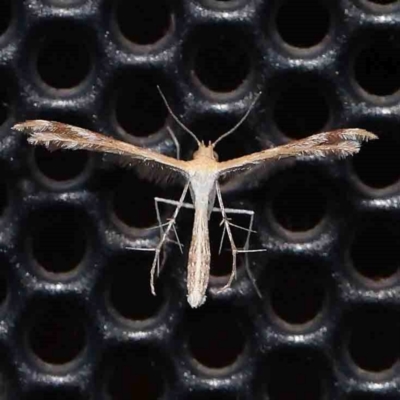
(77, 317)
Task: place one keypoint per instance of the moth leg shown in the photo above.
(160, 226)
(178, 242)
(249, 229)
(234, 249)
(222, 239)
(245, 249)
(150, 228)
(173, 203)
(165, 234)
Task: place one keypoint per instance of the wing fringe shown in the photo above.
(56, 135)
(339, 143)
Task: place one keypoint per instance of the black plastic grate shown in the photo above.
(78, 320)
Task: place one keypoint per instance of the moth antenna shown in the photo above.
(177, 120)
(253, 103)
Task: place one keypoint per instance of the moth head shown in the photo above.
(205, 151)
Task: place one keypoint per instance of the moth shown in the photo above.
(201, 174)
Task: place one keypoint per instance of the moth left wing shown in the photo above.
(340, 143)
(56, 135)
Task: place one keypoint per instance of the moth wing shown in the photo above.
(56, 135)
(340, 143)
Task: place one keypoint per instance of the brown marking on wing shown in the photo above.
(339, 143)
(56, 135)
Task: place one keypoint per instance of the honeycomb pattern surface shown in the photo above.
(78, 320)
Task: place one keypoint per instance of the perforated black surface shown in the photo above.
(77, 317)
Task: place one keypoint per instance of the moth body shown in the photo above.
(203, 192)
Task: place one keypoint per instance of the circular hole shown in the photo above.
(298, 291)
(57, 334)
(58, 239)
(64, 3)
(302, 24)
(302, 377)
(139, 109)
(215, 338)
(64, 58)
(3, 280)
(60, 165)
(4, 99)
(6, 384)
(374, 250)
(142, 214)
(3, 289)
(300, 202)
(377, 67)
(383, 2)
(4, 201)
(377, 164)
(54, 394)
(133, 376)
(371, 396)
(221, 62)
(133, 201)
(211, 396)
(5, 15)
(374, 343)
(300, 110)
(141, 22)
(129, 290)
(221, 5)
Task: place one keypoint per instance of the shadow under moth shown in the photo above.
(201, 174)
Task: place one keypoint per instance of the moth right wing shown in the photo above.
(339, 143)
(56, 135)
